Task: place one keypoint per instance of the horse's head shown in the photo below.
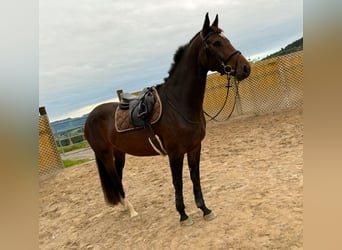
(218, 54)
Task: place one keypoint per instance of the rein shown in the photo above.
(236, 83)
(227, 69)
(212, 118)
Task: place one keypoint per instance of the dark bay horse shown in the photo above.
(181, 127)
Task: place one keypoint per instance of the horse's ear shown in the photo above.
(206, 25)
(215, 23)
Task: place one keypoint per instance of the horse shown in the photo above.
(181, 127)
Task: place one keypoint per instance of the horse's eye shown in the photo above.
(217, 43)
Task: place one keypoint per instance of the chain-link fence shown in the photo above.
(49, 158)
(274, 84)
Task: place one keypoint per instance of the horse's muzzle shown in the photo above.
(243, 71)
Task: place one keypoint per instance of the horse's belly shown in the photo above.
(134, 143)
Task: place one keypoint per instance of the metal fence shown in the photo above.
(274, 84)
(68, 132)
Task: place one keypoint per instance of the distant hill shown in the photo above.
(293, 47)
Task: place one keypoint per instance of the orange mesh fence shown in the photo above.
(49, 158)
(273, 84)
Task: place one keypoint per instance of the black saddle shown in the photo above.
(139, 108)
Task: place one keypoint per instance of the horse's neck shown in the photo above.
(187, 85)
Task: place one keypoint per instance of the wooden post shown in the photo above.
(42, 111)
(119, 92)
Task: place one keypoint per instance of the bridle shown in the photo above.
(227, 68)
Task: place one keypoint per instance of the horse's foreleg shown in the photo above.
(194, 164)
(176, 164)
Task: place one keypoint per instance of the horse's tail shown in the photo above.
(111, 183)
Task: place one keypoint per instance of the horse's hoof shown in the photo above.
(209, 217)
(134, 214)
(187, 222)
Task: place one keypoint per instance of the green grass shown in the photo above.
(73, 147)
(69, 163)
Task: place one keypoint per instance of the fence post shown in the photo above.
(238, 105)
(283, 83)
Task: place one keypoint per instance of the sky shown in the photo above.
(89, 49)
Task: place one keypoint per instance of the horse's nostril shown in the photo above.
(246, 69)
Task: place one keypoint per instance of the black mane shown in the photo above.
(178, 56)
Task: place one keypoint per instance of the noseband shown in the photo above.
(227, 68)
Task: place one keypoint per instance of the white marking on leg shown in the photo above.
(128, 206)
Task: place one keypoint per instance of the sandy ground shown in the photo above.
(252, 178)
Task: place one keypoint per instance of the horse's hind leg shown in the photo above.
(119, 160)
(128, 206)
(194, 163)
(110, 181)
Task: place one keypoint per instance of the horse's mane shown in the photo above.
(180, 52)
(177, 57)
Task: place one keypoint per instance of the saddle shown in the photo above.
(140, 108)
(135, 112)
